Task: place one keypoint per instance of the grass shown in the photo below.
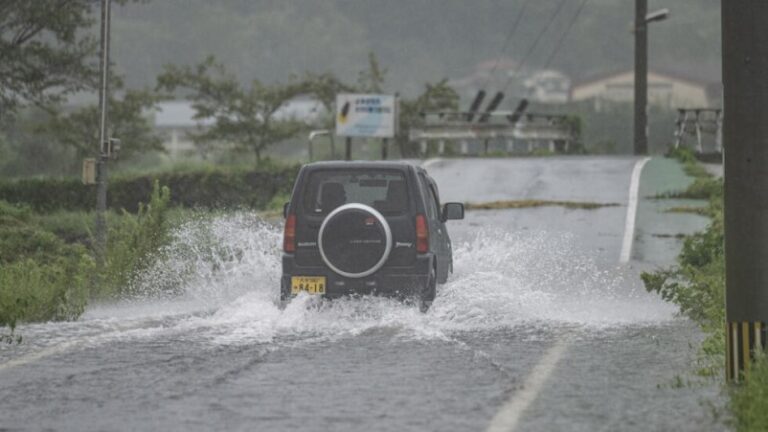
(697, 283)
(676, 236)
(132, 242)
(701, 211)
(749, 401)
(31, 291)
(48, 273)
(697, 286)
(704, 186)
(41, 276)
(520, 204)
(701, 188)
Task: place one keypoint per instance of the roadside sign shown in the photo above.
(366, 115)
(89, 171)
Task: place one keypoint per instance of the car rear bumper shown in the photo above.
(397, 282)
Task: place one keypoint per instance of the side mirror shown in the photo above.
(285, 210)
(453, 211)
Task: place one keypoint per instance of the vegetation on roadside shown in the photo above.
(750, 400)
(47, 276)
(204, 188)
(531, 203)
(701, 211)
(697, 286)
(132, 242)
(41, 276)
(697, 283)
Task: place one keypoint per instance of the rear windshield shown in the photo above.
(384, 190)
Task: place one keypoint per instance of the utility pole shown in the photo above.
(102, 173)
(384, 148)
(641, 78)
(642, 19)
(348, 149)
(745, 134)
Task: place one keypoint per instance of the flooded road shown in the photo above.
(539, 328)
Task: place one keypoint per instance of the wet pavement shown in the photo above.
(224, 356)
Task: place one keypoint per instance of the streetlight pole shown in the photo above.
(642, 19)
(641, 78)
(101, 167)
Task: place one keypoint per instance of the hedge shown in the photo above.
(214, 188)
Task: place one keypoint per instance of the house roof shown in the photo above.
(677, 76)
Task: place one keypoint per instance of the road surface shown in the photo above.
(539, 329)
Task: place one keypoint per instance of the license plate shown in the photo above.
(310, 284)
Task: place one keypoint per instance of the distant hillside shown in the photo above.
(417, 40)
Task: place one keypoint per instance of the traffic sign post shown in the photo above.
(366, 116)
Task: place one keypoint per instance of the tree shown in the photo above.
(324, 88)
(47, 51)
(436, 97)
(79, 130)
(242, 116)
(372, 80)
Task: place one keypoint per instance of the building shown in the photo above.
(548, 86)
(303, 109)
(490, 74)
(666, 90)
(175, 120)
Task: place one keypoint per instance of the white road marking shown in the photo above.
(507, 418)
(66, 346)
(45, 352)
(509, 414)
(629, 225)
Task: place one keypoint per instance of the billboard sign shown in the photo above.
(366, 115)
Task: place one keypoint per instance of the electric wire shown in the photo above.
(565, 34)
(535, 43)
(511, 33)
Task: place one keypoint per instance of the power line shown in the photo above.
(535, 44)
(565, 34)
(511, 33)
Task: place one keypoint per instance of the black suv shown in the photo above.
(356, 228)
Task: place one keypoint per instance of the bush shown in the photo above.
(213, 188)
(41, 277)
(70, 226)
(132, 241)
(31, 291)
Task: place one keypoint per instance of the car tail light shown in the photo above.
(422, 234)
(289, 234)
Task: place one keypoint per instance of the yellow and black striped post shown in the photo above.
(742, 339)
(745, 137)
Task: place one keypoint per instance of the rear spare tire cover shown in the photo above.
(355, 240)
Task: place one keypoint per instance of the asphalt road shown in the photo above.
(539, 329)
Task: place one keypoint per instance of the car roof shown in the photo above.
(362, 165)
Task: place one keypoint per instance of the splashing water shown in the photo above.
(224, 274)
